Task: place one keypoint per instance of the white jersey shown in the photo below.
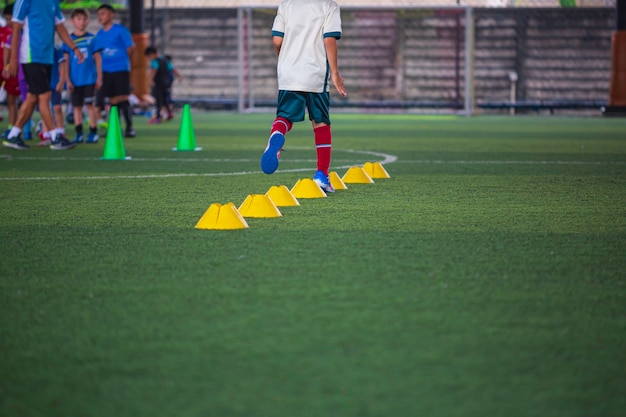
(303, 25)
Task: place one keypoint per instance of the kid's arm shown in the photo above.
(65, 37)
(278, 42)
(98, 60)
(62, 75)
(177, 74)
(330, 44)
(6, 54)
(130, 51)
(66, 64)
(15, 46)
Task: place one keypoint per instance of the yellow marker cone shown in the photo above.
(114, 143)
(186, 134)
(222, 217)
(375, 170)
(307, 188)
(336, 181)
(259, 206)
(357, 175)
(281, 196)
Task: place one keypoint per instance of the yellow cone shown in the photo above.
(357, 175)
(114, 143)
(281, 196)
(336, 181)
(222, 217)
(260, 206)
(375, 170)
(307, 188)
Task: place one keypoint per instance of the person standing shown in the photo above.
(116, 47)
(85, 78)
(39, 20)
(304, 35)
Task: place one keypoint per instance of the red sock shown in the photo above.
(323, 144)
(281, 125)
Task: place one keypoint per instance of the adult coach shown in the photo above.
(116, 47)
(34, 23)
(304, 35)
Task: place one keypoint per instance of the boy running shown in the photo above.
(305, 35)
(84, 78)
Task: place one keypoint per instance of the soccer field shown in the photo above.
(486, 277)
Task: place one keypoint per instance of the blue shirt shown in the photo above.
(58, 58)
(39, 18)
(85, 73)
(113, 45)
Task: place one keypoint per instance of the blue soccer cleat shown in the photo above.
(269, 160)
(92, 138)
(80, 138)
(322, 180)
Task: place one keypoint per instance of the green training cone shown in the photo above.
(114, 144)
(186, 135)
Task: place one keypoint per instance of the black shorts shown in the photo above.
(115, 84)
(85, 94)
(37, 77)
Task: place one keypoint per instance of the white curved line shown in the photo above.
(387, 159)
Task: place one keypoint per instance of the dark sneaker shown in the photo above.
(130, 133)
(6, 134)
(322, 180)
(92, 138)
(269, 160)
(80, 138)
(61, 143)
(15, 143)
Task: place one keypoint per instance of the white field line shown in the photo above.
(442, 162)
(386, 159)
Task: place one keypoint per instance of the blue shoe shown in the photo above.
(6, 134)
(269, 160)
(28, 135)
(80, 138)
(322, 180)
(92, 138)
(15, 143)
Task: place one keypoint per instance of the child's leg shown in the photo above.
(323, 145)
(93, 116)
(12, 106)
(58, 117)
(281, 125)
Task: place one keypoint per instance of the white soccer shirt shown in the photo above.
(303, 24)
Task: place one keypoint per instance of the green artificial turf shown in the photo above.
(486, 277)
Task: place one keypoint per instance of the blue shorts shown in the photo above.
(56, 98)
(292, 104)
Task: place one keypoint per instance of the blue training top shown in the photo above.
(39, 18)
(113, 45)
(85, 73)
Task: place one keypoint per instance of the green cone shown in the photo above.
(114, 143)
